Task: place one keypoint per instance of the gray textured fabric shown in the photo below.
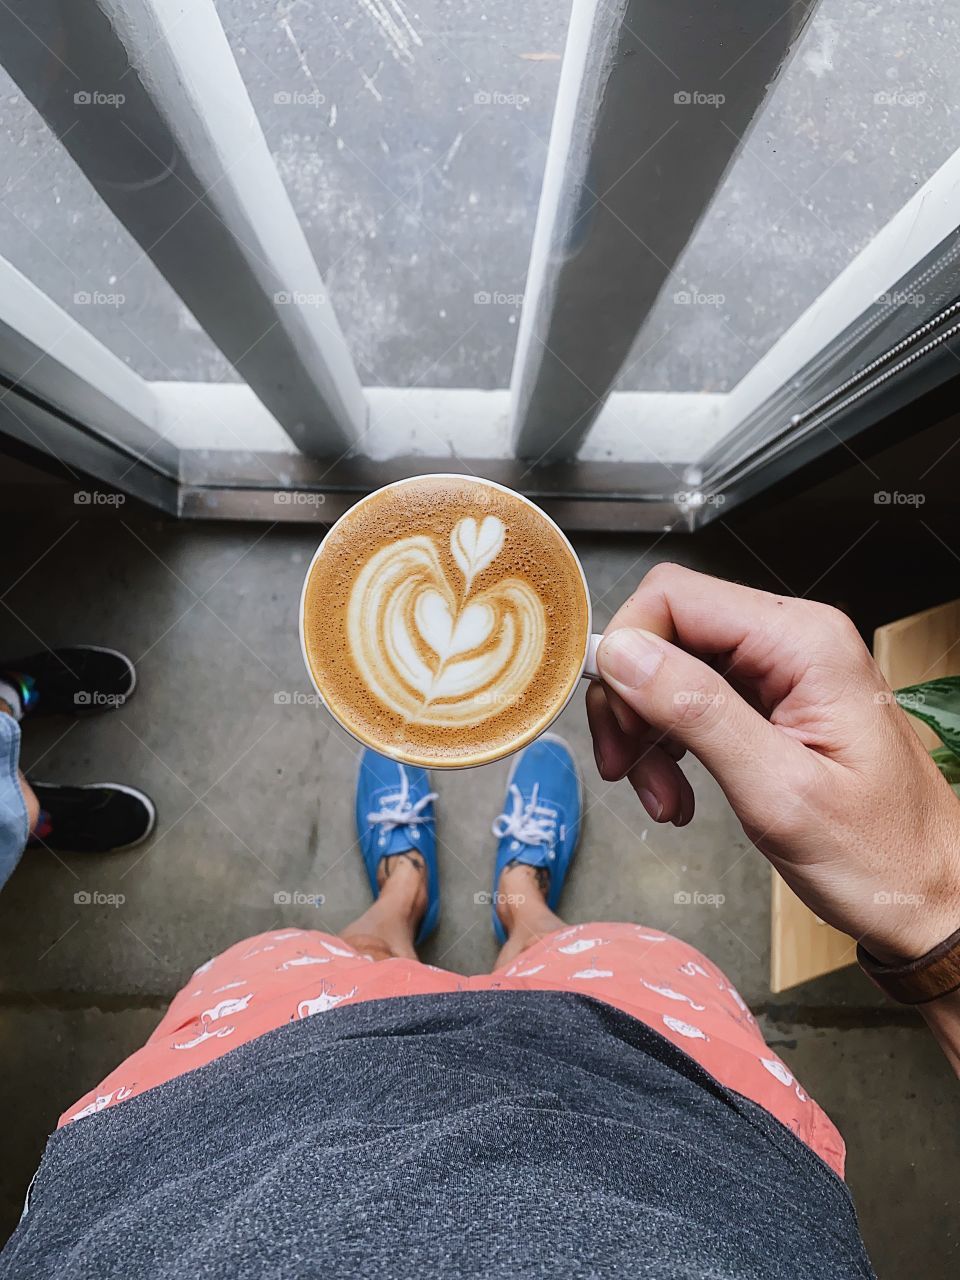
(471, 1134)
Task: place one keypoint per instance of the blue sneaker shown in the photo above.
(540, 825)
(394, 814)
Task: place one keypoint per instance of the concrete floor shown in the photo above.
(254, 796)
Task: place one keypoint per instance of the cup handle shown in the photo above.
(590, 670)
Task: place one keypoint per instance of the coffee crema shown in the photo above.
(445, 621)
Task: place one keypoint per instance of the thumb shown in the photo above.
(683, 697)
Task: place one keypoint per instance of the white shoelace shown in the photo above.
(531, 823)
(396, 809)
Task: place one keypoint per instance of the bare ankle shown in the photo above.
(522, 895)
(403, 885)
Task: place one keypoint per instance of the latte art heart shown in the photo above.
(439, 652)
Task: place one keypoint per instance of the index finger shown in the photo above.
(763, 633)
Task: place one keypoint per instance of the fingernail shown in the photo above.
(686, 811)
(650, 803)
(629, 657)
(624, 716)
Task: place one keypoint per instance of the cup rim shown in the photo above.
(424, 761)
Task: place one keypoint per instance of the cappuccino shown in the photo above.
(445, 620)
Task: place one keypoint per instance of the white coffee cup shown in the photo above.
(588, 664)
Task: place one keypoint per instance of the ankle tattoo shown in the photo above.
(415, 859)
(540, 874)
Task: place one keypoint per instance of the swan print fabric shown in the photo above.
(278, 977)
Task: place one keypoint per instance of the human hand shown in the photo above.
(781, 701)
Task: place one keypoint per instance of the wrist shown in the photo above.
(912, 938)
(909, 923)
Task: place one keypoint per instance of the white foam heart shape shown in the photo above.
(475, 546)
(446, 634)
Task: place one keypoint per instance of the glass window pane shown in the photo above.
(412, 141)
(56, 231)
(865, 112)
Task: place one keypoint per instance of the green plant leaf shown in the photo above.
(948, 763)
(937, 704)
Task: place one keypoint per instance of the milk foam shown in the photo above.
(438, 652)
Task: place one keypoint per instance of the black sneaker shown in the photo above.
(75, 681)
(101, 817)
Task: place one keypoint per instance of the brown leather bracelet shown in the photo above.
(933, 975)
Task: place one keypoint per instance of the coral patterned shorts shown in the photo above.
(274, 978)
